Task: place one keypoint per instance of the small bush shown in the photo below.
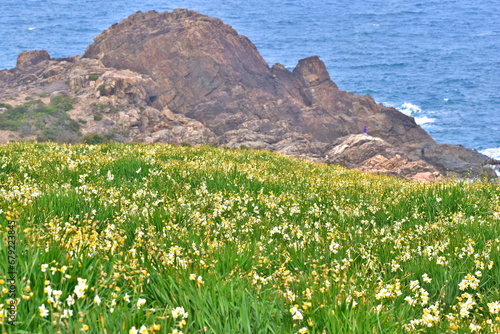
(102, 89)
(49, 122)
(94, 139)
(62, 102)
(93, 77)
(97, 117)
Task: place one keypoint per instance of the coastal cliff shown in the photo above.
(182, 77)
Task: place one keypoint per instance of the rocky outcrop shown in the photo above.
(206, 71)
(29, 58)
(184, 77)
(374, 155)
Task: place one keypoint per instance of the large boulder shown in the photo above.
(456, 160)
(29, 58)
(208, 72)
(375, 155)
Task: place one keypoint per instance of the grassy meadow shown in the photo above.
(120, 238)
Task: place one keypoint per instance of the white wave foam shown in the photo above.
(409, 109)
(31, 28)
(424, 120)
(492, 152)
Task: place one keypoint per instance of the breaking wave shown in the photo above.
(415, 111)
(492, 152)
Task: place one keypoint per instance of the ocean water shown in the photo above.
(438, 61)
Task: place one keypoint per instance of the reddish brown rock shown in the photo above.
(29, 58)
(206, 71)
(374, 155)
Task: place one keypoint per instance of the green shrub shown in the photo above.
(97, 117)
(49, 122)
(102, 89)
(94, 139)
(93, 77)
(62, 103)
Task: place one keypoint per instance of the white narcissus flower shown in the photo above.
(70, 300)
(97, 299)
(43, 311)
(140, 302)
(67, 314)
(81, 287)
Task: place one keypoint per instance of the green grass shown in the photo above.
(244, 241)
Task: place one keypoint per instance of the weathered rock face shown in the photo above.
(184, 77)
(374, 155)
(28, 58)
(206, 71)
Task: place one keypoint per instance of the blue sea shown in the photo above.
(438, 61)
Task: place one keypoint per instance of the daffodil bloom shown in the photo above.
(97, 299)
(70, 300)
(133, 330)
(48, 290)
(475, 328)
(81, 287)
(494, 308)
(140, 302)
(67, 313)
(57, 294)
(179, 311)
(298, 316)
(43, 311)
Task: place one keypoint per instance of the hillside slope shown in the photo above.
(165, 238)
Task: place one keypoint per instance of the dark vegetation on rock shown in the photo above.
(48, 122)
(182, 77)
